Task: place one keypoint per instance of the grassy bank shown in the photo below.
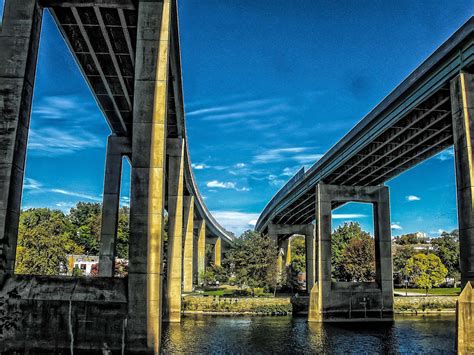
(430, 304)
(451, 291)
(282, 305)
(242, 305)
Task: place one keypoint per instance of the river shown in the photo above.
(293, 335)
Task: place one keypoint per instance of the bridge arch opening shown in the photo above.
(352, 243)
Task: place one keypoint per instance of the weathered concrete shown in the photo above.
(465, 320)
(56, 314)
(117, 147)
(188, 249)
(19, 41)
(148, 177)
(218, 252)
(201, 250)
(281, 234)
(462, 106)
(350, 300)
(175, 151)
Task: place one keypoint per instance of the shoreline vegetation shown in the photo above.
(286, 305)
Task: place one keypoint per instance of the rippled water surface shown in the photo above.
(289, 335)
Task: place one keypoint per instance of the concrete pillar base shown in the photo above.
(465, 321)
(314, 311)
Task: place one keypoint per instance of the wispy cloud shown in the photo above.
(225, 185)
(412, 198)
(348, 215)
(34, 186)
(396, 226)
(76, 194)
(236, 222)
(53, 141)
(239, 106)
(63, 125)
(300, 154)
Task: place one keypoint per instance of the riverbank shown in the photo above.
(216, 305)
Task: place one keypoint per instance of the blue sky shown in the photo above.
(269, 87)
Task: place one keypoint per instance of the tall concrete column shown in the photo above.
(201, 250)
(148, 176)
(218, 252)
(286, 251)
(188, 252)
(116, 148)
(310, 246)
(19, 41)
(462, 106)
(175, 229)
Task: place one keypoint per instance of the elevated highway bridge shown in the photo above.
(431, 110)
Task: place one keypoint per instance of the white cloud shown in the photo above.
(51, 141)
(413, 198)
(290, 171)
(348, 215)
(236, 222)
(302, 155)
(447, 154)
(200, 166)
(240, 165)
(396, 226)
(244, 105)
(76, 194)
(225, 185)
(31, 184)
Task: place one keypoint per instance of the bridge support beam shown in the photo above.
(175, 152)
(350, 300)
(282, 233)
(218, 252)
(201, 250)
(116, 148)
(148, 177)
(188, 252)
(462, 106)
(19, 42)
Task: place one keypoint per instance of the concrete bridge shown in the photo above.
(431, 110)
(129, 54)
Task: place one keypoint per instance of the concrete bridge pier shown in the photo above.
(349, 301)
(117, 147)
(175, 152)
(201, 250)
(188, 248)
(462, 107)
(282, 233)
(19, 42)
(218, 252)
(148, 177)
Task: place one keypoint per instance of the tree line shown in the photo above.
(46, 237)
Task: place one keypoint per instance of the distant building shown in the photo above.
(84, 263)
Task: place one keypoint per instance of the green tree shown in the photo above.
(425, 270)
(446, 247)
(298, 253)
(123, 232)
(44, 240)
(400, 257)
(86, 220)
(339, 241)
(251, 260)
(359, 259)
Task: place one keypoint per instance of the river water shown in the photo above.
(293, 335)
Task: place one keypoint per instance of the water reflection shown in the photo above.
(225, 334)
